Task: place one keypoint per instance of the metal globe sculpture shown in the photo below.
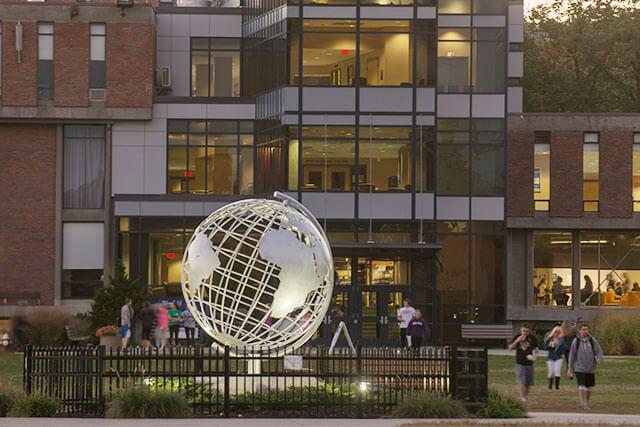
(257, 274)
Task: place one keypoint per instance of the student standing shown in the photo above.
(189, 324)
(162, 326)
(405, 315)
(126, 315)
(585, 356)
(174, 323)
(418, 330)
(526, 346)
(554, 344)
(147, 316)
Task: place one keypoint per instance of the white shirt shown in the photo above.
(406, 314)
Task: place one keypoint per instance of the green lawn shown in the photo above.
(617, 386)
(11, 368)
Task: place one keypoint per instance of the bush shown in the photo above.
(35, 406)
(618, 334)
(8, 397)
(429, 405)
(109, 299)
(140, 402)
(499, 405)
(47, 326)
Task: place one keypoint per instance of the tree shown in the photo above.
(105, 308)
(582, 57)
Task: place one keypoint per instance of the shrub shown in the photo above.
(429, 405)
(47, 326)
(35, 406)
(499, 405)
(618, 334)
(140, 402)
(108, 299)
(8, 397)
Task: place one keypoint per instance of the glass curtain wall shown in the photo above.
(210, 157)
(470, 284)
(471, 61)
(326, 52)
(470, 157)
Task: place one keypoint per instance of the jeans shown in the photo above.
(173, 334)
(403, 337)
(191, 334)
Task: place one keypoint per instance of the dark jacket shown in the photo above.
(418, 328)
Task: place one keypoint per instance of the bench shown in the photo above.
(484, 332)
(74, 337)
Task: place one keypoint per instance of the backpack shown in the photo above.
(593, 348)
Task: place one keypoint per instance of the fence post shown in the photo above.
(27, 369)
(100, 392)
(453, 372)
(485, 383)
(359, 380)
(227, 369)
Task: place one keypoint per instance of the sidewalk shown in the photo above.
(559, 419)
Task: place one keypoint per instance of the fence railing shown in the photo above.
(230, 382)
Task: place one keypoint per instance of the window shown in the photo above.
(210, 157)
(97, 65)
(385, 56)
(215, 67)
(457, 72)
(489, 7)
(328, 158)
(328, 53)
(470, 157)
(0, 58)
(385, 53)
(609, 269)
(454, 6)
(82, 258)
(636, 172)
(591, 172)
(83, 165)
(376, 271)
(45, 61)
(541, 176)
(385, 159)
(552, 272)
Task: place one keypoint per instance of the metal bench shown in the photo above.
(484, 332)
(74, 337)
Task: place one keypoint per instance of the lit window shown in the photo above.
(591, 171)
(541, 176)
(636, 172)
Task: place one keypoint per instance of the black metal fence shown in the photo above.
(308, 382)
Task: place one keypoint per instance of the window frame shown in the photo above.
(209, 50)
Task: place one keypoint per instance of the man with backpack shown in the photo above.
(585, 355)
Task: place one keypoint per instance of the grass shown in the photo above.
(616, 391)
(11, 368)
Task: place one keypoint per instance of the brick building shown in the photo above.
(577, 226)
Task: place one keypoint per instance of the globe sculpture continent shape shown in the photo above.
(259, 274)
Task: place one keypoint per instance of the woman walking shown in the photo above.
(555, 346)
(418, 330)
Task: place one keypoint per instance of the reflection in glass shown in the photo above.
(487, 172)
(453, 170)
(454, 66)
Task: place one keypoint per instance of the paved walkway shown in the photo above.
(560, 419)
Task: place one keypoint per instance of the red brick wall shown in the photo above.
(27, 209)
(71, 65)
(566, 174)
(616, 154)
(520, 173)
(19, 81)
(130, 65)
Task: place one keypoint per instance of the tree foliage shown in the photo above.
(105, 308)
(582, 57)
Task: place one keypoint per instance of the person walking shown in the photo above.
(126, 316)
(147, 316)
(554, 344)
(189, 324)
(405, 315)
(526, 346)
(174, 323)
(585, 356)
(418, 330)
(162, 326)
